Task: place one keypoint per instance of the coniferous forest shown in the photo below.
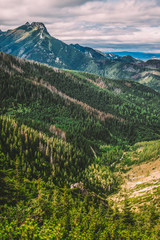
(66, 140)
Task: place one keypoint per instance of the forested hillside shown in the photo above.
(61, 127)
(34, 207)
(85, 105)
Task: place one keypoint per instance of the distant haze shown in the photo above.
(139, 55)
(107, 25)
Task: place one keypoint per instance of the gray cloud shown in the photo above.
(69, 3)
(89, 21)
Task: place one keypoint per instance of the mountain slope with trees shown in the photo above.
(60, 127)
(110, 107)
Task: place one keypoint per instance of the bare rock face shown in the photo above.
(77, 185)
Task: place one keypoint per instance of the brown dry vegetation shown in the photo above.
(141, 181)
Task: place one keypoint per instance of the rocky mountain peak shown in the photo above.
(38, 25)
(27, 24)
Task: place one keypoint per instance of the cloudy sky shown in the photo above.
(108, 25)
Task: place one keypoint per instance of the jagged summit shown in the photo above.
(38, 25)
(27, 24)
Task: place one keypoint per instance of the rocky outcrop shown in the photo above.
(77, 185)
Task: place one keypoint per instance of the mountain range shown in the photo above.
(32, 41)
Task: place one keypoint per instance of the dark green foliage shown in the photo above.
(32, 154)
(55, 213)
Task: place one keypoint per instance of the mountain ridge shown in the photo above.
(140, 55)
(32, 41)
(102, 98)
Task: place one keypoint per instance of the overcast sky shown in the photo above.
(108, 25)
